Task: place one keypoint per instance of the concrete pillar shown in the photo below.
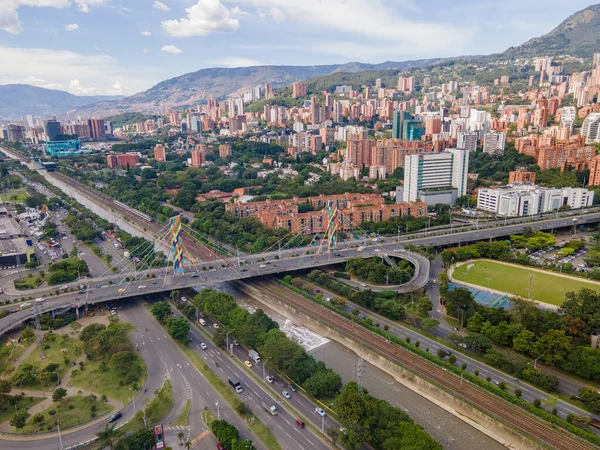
(77, 312)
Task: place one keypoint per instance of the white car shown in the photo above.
(142, 287)
(269, 378)
(202, 345)
(262, 266)
(363, 284)
(377, 250)
(286, 394)
(215, 325)
(321, 412)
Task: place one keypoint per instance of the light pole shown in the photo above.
(133, 399)
(323, 424)
(264, 362)
(227, 337)
(59, 435)
(218, 411)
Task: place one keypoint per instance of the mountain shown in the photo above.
(196, 87)
(17, 100)
(579, 35)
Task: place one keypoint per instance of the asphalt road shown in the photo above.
(283, 425)
(529, 392)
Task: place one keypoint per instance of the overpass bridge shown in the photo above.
(276, 262)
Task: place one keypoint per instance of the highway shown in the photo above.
(283, 425)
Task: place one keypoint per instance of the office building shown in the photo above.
(160, 153)
(433, 171)
(97, 130)
(591, 128)
(61, 149)
(524, 199)
(494, 142)
(412, 129)
(52, 129)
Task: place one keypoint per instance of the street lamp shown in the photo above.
(218, 411)
(227, 337)
(59, 435)
(264, 362)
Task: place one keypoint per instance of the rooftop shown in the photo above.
(9, 228)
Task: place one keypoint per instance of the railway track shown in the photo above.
(496, 407)
(192, 246)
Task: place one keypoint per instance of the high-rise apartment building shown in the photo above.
(435, 170)
(594, 172)
(97, 130)
(268, 91)
(467, 140)
(397, 123)
(591, 128)
(112, 161)
(160, 153)
(198, 156)
(298, 89)
(16, 133)
(224, 150)
(494, 142)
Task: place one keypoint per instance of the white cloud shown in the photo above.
(145, 51)
(84, 5)
(237, 11)
(9, 18)
(146, 33)
(235, 61)
(161, 6)
(371, 19)
(72, 27)
(171, 49)
(73, 72)
(205, 17)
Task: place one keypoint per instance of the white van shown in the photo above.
(202, 322)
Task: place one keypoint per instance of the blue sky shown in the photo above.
(125, 46)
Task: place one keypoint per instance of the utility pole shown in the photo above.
(36, 316)
(59, 436)
(530, 288)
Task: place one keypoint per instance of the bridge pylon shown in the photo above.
(332, 225)
(177, 245)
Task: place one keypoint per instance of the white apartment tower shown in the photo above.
(467, 140)
(591, 128)
(494, 141)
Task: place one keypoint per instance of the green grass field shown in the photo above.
(14, 195)
(547, 287)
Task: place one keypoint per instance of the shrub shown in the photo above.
(463, 366)
(518, 393)
(476, 372)
(537, 402)
(408, 339)
(488, 379)
(452, 359)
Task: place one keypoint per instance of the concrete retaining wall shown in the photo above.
(445, 400)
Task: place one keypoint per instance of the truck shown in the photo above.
(235, 384)
(254, 356)
(271, 409)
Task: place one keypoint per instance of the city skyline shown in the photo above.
(68, 46)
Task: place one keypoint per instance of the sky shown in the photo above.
(120, 47)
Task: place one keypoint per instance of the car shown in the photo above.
(202, 322)
(286, 394)
(299, 423)
(243, 270)
(142, 287)
(195, 275)
(454, 329)
(215, 325)
(184, 299)
(220, 446)
(248, 364)
(363, 284)
(377, 250)
(269, 378)
(293, 388)
(202, 345)
(262, 266)
(321, 412)
(235, 342)
(114, 417)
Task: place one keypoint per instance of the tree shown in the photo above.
(28, 334)
(58, 395)
(122, 360)
(553, 346)
(458, 300)
(584, 305)
(429, 323)
(107, 436)
(180, 436)
(161, 311)
(338, 301)
(179, 329)
(225, 433)
(141, 440)
(424, 305)
(75, 326)
(19, 419)
(325, 383)
(478, 342)
(524, 341)
(441, 353)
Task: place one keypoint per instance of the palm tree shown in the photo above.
(188, 445)
(108, 436)
(180, 436)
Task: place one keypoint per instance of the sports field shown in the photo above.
(546, 287)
